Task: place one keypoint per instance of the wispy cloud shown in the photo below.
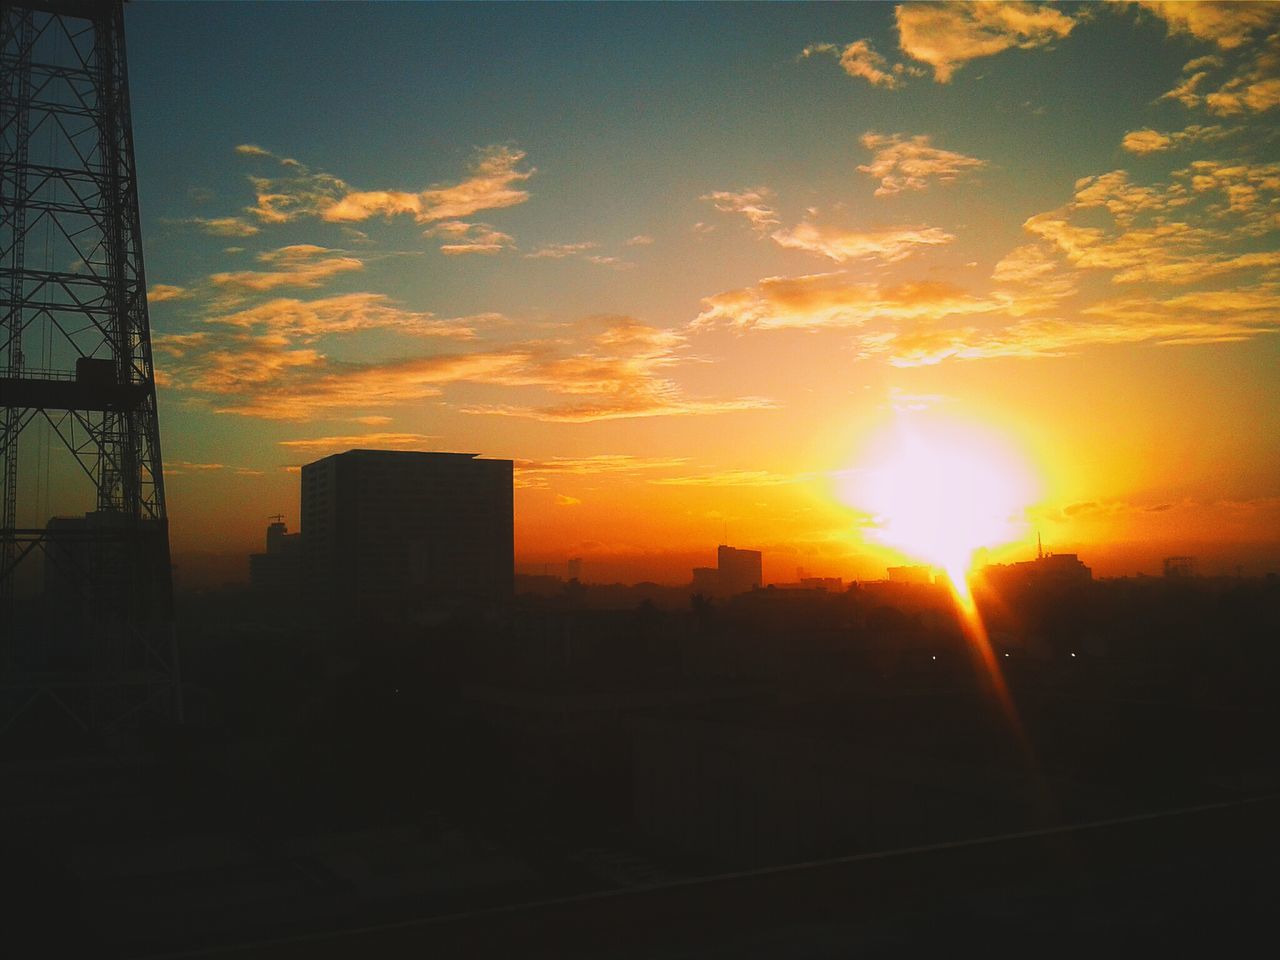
(1147, 141)
(617, 373)
(362, 441)
(1253, 85)
(297, 265)
(578, 251)
(307, 320)
(1228, 25)
(181, 468)
(560, 251)
(834, 300)
(860, 59)
(160, 292)
(910, 163)
(728, 478)
(462, 238)
(887, 245)
(948, 35)
(1208, 317)
(754, 204)
(840, 244)
(494, 182)
(224, 226)
(1144, 242)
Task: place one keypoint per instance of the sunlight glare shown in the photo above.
(938, 490)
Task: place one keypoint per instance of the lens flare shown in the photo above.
(939, 490)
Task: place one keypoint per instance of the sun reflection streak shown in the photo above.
(976, 634)
(939, 489)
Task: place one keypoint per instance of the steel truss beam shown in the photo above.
(75, 353)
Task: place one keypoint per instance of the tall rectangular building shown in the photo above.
(392, 534)
(740, 570)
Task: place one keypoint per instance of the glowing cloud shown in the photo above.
(887, 245)
(1228, 25)
(860, 59)
(948, 35)
(493, 183)
(909, 163)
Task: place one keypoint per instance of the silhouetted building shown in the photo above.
(398, 533)
(740, 570)
(1059, 569)
(279, 570)
(736, 571)
(910, 574)
(574, 568)
(706, 581)
(1175, 567)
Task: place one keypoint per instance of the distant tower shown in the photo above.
(77, 387)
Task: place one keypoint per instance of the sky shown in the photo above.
(691, 266)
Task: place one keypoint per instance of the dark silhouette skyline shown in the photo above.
(393, 740)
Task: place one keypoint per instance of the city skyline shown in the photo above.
(687, 265)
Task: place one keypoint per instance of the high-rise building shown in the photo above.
(279, 570)
(740, 570)
(398, 533)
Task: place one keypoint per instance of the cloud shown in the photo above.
(224, 226)
(565, 501)
(1197, 318)
(464, 238)
(729, 478)
(297, 265)
(1031, 280)
(1251, 190)
(578, 251)
(836, 243)
(1187, 91)
(596, 464)
(755, 205)
(560, 251)
(888, 245)
(639, 240)
(180, 468)
(307, 320)
(360, 441)
(493, 183)
(1221, 204)
(948, 35)
(860, 59)
(260, 371)
(1147, 141)
(833, 300)
(160, 292)
(910, 163)
(1254, 87)
(539, 473)
(1228, 25)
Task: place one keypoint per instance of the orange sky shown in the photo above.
(684, 264)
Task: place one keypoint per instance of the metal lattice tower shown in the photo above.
(92, 641)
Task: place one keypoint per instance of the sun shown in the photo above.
(937, 490)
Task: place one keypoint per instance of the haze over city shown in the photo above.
(700, 270)
(638, 480)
